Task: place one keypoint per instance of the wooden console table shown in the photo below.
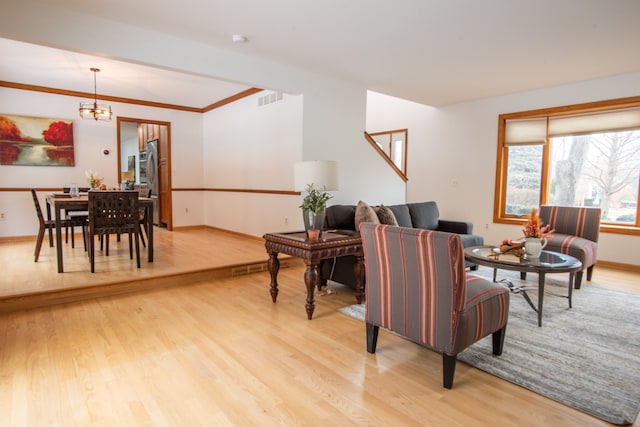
(331, 244)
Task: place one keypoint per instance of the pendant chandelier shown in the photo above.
(93, 110)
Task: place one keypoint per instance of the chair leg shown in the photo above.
(92, 252)
(498, 340)
(137, 249)
(589, 273)
(143, 230)
(372, 337)
(36, 253)
(578, 281)
(104, 237)
(130, 245)
(448, 369)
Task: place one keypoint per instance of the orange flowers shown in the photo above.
(534, 226)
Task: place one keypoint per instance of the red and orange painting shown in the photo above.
(36, 141)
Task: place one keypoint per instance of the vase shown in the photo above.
(533, 246)
(313, 220)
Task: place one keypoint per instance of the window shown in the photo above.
(581, 155)
(392, 146)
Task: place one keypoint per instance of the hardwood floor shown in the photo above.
(218, 352)
(179, 257)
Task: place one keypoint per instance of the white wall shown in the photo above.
(247, 146)
(454, 163)
(90, 139)
(255, 147)
(454, 160)
(334, 125)
(333, 110)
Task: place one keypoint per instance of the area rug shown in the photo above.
(586, 357)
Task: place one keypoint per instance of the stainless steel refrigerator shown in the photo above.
(153, 178)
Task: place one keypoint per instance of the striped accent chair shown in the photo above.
(576, 234)
(417, 287)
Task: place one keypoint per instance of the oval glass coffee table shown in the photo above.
(549, 262)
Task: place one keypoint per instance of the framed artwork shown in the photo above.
(36, 141)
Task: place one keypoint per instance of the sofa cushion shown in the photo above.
(365, 213)
(341, 217)
(401, 212)
(385, 215)
(424, 215)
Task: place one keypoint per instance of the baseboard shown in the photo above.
(619, 266)
(235, 233)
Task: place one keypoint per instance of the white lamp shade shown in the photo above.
(323, 174)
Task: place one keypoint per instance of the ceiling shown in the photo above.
(429, 51)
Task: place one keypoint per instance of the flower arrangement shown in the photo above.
(534, 226)
(93, 179)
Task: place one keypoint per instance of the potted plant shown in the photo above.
(313, 210)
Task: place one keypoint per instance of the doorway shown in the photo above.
(134, 135)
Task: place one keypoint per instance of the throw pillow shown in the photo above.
(365, 213)
(385, 215)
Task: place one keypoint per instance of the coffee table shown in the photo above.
(549, 262)
(331, 244)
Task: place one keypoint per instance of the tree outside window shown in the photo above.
(597, 170)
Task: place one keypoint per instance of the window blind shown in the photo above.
(584, 124)
(525, 131)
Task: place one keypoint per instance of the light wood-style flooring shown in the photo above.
(179, 257)
(217, 352)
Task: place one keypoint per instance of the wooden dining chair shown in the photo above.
(113, 212)
(47, 225)
(144, 192)
(77, 218)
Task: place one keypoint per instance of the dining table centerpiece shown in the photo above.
(93, 179)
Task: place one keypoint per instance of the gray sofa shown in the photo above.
(415, 215)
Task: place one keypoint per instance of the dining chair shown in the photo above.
(113, 212)
(46, 225)
(77, 217)
(144, 192)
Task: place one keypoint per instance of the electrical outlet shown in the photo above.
(286, 221)
(2, 216)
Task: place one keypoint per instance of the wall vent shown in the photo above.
(269, 98)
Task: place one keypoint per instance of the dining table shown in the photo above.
(60, 202)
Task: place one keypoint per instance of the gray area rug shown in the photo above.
(586, 357)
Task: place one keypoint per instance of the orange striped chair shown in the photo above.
(417, 287)
(576, 233)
